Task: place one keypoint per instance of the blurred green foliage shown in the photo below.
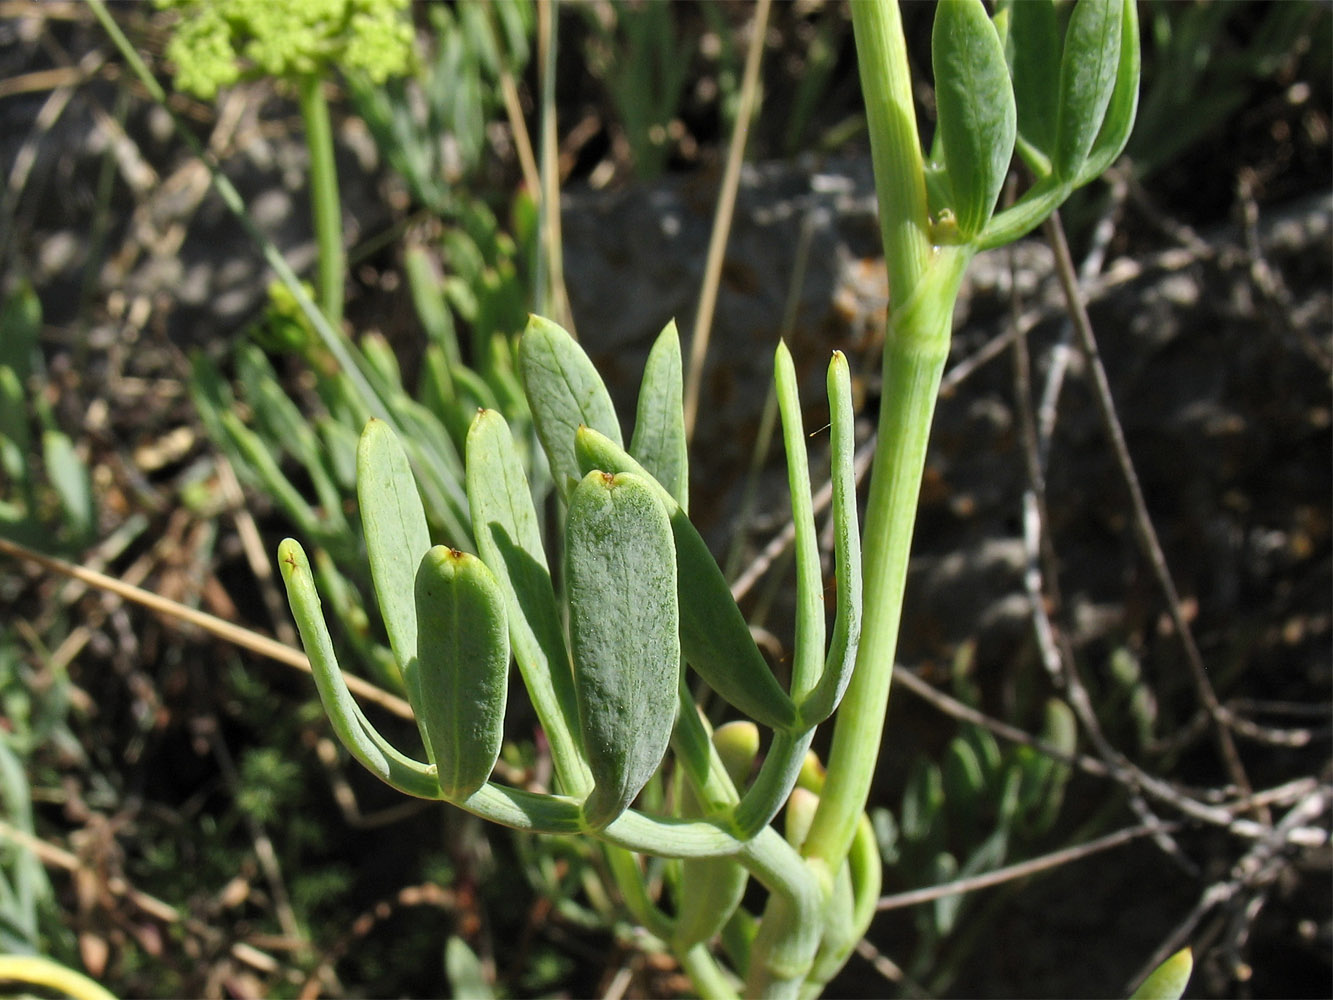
(46, 497)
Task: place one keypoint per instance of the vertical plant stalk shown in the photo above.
(325, 206)
(922, 282)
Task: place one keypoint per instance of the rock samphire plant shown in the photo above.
(605, 644)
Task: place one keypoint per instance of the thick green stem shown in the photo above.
(707, 977)
(916, 347)
(922, 282)
(900, 179)
(784, 949)
(325, 208)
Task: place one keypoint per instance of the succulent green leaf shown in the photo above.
(73, 483)
(1033, 51)
(1168, 980)
(963, 775)
(624, 630)
(394, 522)
(463, 653)
(659, 442)
(713, 633)
(1041, 792)
(438, 465)
(381, 362)
(841, 659)
(429, 303)
(353, 729)
(565, 392)
(711, 890)
(1124, 104)
(509, 540)
(922, 801)
(964, 782)
(467, 976)
(257, 462)
(975, 102)
(808, 646)
(1088, 76)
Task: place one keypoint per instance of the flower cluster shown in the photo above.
(216, 42)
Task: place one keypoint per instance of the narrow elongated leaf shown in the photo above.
(394, 522)
(565, 392)
(975, 102)
(841, 659)
(463, 653)
(808, 646)
(659, 442)
(713, 633)
(624, 631)
(257, 463)
(1088, 73)
(509, 541)
(1033, 51)
(438, 465)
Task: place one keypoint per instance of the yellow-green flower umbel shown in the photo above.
(217, 42)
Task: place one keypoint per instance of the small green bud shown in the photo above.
(737, 743)
(800, 815)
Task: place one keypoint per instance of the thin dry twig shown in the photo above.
(224, 630)
(1253, 875)
(1022, 869)
(57, 857)
(1142, 520)
(726, 205)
